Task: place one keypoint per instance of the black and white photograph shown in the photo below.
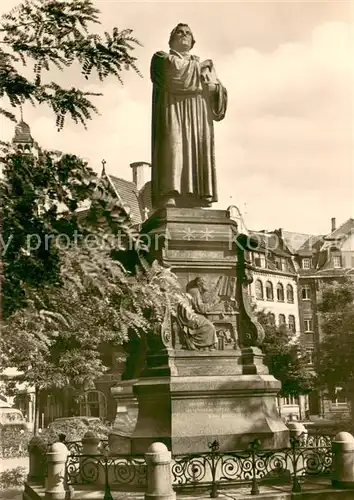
(176, 249)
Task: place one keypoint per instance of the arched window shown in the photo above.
(280, 292)
(292, 325)
(306, 292)
(93, 404)
(269, 291)
(259, 290)
(289, 293)
(282, 320)
(271, 319)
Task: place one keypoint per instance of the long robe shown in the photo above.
(200, 332)
(183, 160)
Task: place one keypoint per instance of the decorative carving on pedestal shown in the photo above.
(203, 318)
(250, 330)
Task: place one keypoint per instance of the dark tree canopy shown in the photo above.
(284, 357)
(334, 364)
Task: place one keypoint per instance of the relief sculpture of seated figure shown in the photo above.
(198, 332)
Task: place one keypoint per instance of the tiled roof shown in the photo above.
(346, 228)
(294, 241)
(129, 194)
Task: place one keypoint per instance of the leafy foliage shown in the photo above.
(13, 478)
(37, 194)
(74, 429)
(63, 303)
(14, 441)
(284, 357)
(56, 34)
(334, 363)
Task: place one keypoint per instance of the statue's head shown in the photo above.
(202, 284)
(181, 38)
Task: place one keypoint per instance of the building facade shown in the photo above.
(321, 259)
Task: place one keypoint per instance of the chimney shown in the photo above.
(141, 173)
(333, 224)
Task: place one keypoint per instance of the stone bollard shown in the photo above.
(56, 460)
(343, 461)
(89, 467)
(36, 455)
(90, 444)
(159, 478)
(298, 430)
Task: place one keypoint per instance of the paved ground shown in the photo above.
(11, 463)
(11, 494)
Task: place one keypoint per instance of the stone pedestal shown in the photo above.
(189, 398)
(126, 417)
(207, 397)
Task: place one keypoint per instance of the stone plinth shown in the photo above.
(126, 417)
(192, 241)
(206, 396)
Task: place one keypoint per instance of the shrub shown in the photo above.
(14, 441)
(74, 429)
(13, 478)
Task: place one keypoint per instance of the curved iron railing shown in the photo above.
(252, 466)
(307, 456)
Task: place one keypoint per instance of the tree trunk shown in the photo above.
(36, 410)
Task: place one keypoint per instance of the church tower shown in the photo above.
(23, 141)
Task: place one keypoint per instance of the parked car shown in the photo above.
(12, 417)
(74, 428)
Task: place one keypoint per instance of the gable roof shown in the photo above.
(129, 195)
(294, 241)
(343, 230)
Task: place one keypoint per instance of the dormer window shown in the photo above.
(306, 263)
(337, 261)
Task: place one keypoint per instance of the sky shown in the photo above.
(284, 152)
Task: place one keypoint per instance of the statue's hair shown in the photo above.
(173, 32)
(195, 283)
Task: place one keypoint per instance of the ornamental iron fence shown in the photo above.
(307, 456)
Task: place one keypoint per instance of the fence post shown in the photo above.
(56, 459)
(159, 478)
(343, 461)
(36, 456)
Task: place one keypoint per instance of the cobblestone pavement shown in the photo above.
(11, 494)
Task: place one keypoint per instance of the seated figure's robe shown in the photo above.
(183, 161)
(199, 332)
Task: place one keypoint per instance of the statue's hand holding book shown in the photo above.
(208, 75)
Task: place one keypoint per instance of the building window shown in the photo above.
(306, 292)
(271, 319)
(290, 401)
(338, 398)
(309, 356)
(308, 325)
(269, 291)
(93, 404)
(306, 263)
(280, 292)
(282, 319)
(292, 324)
(337, 261)
(259, 290)
(290, 294)
(259, 260)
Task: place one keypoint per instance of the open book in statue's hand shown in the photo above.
(208, 74)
